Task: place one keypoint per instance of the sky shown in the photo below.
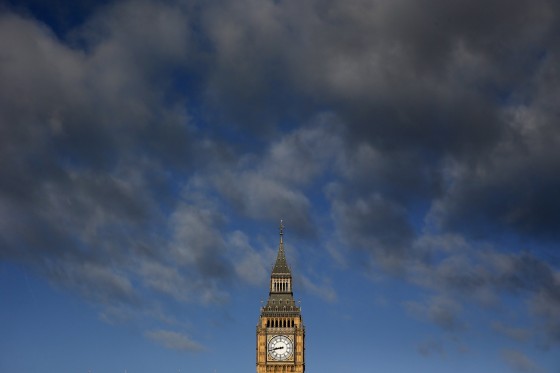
(149, 149)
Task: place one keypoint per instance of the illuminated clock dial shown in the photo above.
(280, 347)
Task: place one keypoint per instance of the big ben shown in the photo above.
(280, 331)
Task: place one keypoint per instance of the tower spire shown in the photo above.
(281, 265)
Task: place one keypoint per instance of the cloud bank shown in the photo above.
(421, 138)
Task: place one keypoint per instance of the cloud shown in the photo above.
(165, 279)
(249, 191)
(323, 290)
(431, 347)
(375, 224)
(91, 147)
(519, 362)
(298, 157)
(173, 340)
(484, 276)
(95, 282)
(511, 190)
(413, 135)
(518, 334)
(197, 240)
(545, 306)
(64, 131)
(401, 175)
(444, 312)
(250, 265)
(272, 184)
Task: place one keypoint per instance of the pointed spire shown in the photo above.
(281, 265)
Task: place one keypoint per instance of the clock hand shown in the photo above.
(277, 348)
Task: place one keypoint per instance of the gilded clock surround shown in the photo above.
(280, 323)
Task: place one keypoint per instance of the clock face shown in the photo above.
(280, 347)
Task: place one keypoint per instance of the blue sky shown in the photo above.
(149, 149)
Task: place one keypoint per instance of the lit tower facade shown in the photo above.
(280, 331)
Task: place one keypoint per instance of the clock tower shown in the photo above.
(280, 331)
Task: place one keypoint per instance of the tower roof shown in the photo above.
(281, 265)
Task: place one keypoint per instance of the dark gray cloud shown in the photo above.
(513, 190)
(425, 87)
(90, 148)
(374, 224)
(483, 276)
(444, 312)
(147, 128)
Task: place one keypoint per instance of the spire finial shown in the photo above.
(281, 266)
